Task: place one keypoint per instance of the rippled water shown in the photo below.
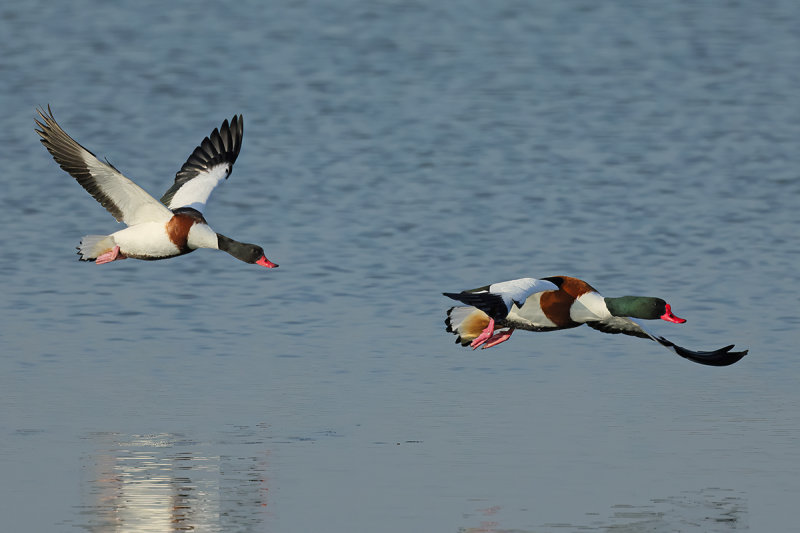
(393, 151)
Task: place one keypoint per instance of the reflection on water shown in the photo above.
(166, 483)
(711, 510)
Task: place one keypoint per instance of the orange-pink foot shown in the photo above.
(484, 336)
(109, 256)
(497, 338)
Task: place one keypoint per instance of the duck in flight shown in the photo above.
(156, 229)
(493, 313)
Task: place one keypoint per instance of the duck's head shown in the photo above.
(645, 307)
(249, 253)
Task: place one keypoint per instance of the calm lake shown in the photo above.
(394, 150)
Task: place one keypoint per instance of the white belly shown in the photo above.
(145, 241)
(530, 314)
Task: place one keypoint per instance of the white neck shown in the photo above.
(202, 236)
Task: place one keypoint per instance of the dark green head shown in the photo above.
(644, 307)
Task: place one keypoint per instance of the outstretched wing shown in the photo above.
(209, 164)
(125, 200)
(497, 299)
(628, 326)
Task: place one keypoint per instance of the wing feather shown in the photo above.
(628, 326)
(208, 165)
(497, 299)
(125, 200)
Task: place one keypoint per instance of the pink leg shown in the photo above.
(497, 338)
(112, 255)
(485, 334)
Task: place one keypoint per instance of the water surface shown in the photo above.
(393, 151)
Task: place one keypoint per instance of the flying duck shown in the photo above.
(561, 302)
(156, 229)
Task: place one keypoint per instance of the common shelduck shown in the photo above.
(156, 229)
(561, 302)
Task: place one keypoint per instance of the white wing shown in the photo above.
(518, 290)
(497, 299)
(209, 164)
(125, 200)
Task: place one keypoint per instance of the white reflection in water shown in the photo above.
(164, 483)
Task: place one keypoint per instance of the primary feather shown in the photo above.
(126, 201)
(208, 165)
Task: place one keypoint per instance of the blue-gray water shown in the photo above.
(392, 151)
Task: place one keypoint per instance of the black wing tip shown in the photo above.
(48, 119)
(236, 129)
(40, 111)
(491, 304)
(222, 145)
(722, 357)
(719, 358)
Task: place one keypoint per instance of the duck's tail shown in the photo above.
(466, 322)
(93, 246)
